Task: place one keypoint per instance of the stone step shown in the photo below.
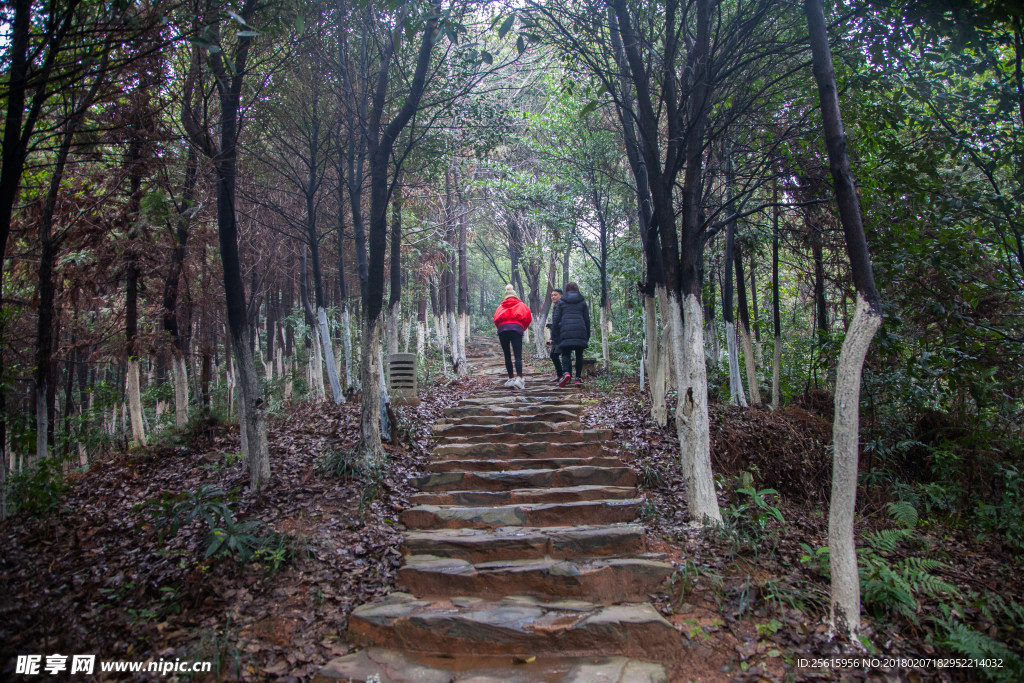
(391, 666)
(517, 401)
(508, 480)
(514, 625)
(565, 494)
(516, 427)
(562, 436)
(607, 580)
(525, 464)
(510, 543)
(560, 416)
(471, 411)
(567, 435)
(513, 451)
(532, 392)
(526, 514)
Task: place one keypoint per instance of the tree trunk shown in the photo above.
(253, 406)
(463, 291)
(845, 612)
(47, 258)
(821, 312)
(271, 332)
(776, 315)
(394, 313)
(18, 128)
(757, 315)
(314, 359)
(171, 288)
(451, 293)
(380, 145)
(709, 316)
(346, 329)
(736, 394)
(421, 327)
(748, 348)
(541, 309)
(692, 420)
(369, 421)
(657, 341)
(326, 346)
(180, 369)
(606, 361)
(135, 402)
(435, 311)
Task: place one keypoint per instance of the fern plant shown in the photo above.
(893, 589)
(996, 661)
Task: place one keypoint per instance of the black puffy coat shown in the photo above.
(571, 321)
(555, 348)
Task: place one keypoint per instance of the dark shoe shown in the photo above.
(566, 378)
(556, 380)
(578, 380)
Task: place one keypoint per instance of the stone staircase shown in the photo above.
(523, 561)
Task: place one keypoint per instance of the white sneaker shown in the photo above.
(511, 382)
(520, 382)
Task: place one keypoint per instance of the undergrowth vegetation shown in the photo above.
(935, 580)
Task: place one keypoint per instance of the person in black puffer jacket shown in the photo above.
(554, 351)
(571, 327)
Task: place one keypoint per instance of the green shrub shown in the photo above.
(1007, 515)
(38, 489)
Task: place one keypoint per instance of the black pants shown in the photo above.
(556, 358)
(512, 342)
(567, 359)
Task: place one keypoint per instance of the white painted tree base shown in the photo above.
(845, 608)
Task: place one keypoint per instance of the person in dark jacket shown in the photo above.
(571, 326)
(554, 351)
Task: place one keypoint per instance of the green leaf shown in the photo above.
(520, 45)
(247, 34)
(591, 106)
(300, 23)
(506, 26)
(487, 57)
(237, 17)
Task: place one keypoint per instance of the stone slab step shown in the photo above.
(516, 427)
(536, 391)
(605, 580)
(526, 514)
(391, 666)
(563, 494)
(521, 464)
(468, 411)
(562, 436)
(517, 401)
(514, 625)
(560, 416)
(507, 543)
(514, 451)
(526, 478)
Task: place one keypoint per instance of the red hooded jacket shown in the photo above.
(512, 315)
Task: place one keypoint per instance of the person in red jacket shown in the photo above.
(512, 318)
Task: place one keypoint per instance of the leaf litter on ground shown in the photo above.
(94, 577)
